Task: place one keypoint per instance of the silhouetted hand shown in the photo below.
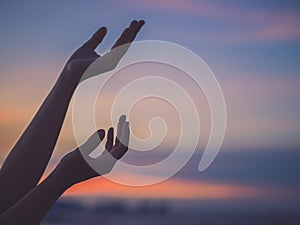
(86, 54)
(74, 169)
(23, 200)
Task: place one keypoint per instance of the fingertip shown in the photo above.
(133, 22)
(138, 27)
(101, 32)
(101, 133)
(111, 130)
(122, 118)
(96, 38)
(103, 29)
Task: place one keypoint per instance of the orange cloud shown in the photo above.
(173, 188)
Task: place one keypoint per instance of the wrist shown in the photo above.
(68, 78)
(60, 178)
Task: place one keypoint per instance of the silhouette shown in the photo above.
(22, 200)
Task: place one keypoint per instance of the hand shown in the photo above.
(74, 169)
(86, 54)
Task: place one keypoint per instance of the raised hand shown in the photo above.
(23, 199)
(86, 54)
(73, 167)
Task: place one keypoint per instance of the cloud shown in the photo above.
(171, 189)
(235, 23)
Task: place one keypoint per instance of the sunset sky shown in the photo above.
(253, 47)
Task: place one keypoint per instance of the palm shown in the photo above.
(77, 169)
(86, 54)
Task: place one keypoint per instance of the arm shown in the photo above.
(28, 159)
(32, 208)
(72, 169)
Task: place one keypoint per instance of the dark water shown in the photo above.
(145, 212)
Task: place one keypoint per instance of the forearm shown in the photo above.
(27, 161)
(33, 207)
(41, 134)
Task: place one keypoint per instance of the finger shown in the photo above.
(124, 35)
(125, 135)
(96, 39)
(101, 134)
(122, 120)
(122, 148)
(92, 142)
(110, 139)
(129, 33)
(135, 30)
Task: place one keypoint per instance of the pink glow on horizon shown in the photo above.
(174, 189)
